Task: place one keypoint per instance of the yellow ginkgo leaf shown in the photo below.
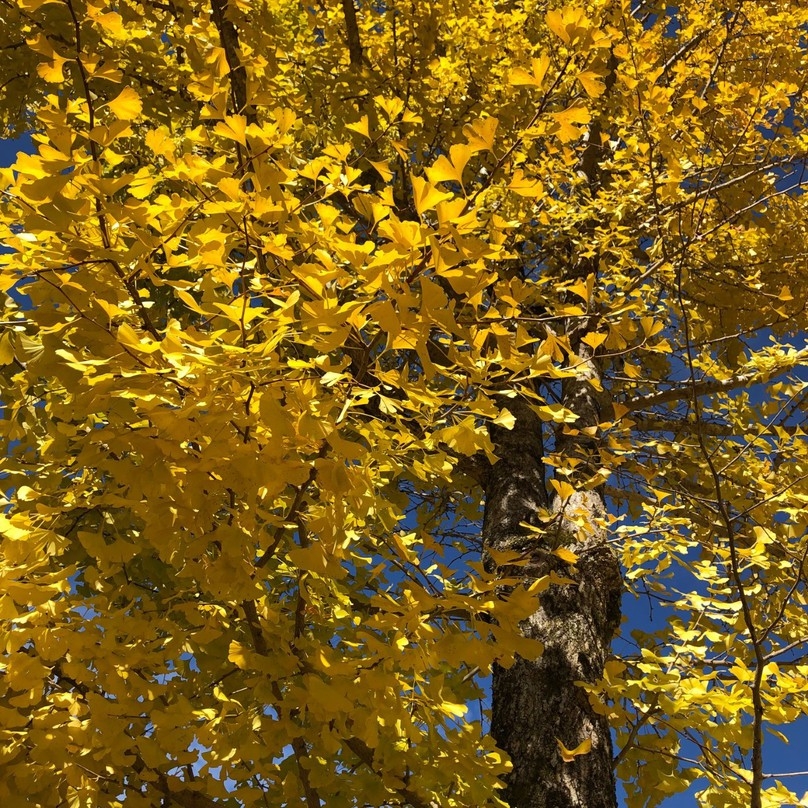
(594, 339)
(480, 134)
(6, 349)
(361, 126)
(526, 186)
(562, 488)
(126, 106)
(52, 71)
(592, 83)
(233, 127)
(568, 755)
(534, 77)
(566, 128)
(567, 23)
(565, 554)
(506, 419)
(383, 168)
(451, 169)
(427, 196)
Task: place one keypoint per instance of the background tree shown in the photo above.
(291, 291)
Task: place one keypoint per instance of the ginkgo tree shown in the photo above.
(360, 357)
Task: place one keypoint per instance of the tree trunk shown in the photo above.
(537, 703)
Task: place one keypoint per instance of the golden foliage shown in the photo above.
(261, 298)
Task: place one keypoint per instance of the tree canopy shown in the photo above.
(338, 337)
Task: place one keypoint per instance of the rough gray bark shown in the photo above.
(537, 703)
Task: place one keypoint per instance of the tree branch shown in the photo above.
(352, 30)
(228, 36)
(688, 391)
(712, 428)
